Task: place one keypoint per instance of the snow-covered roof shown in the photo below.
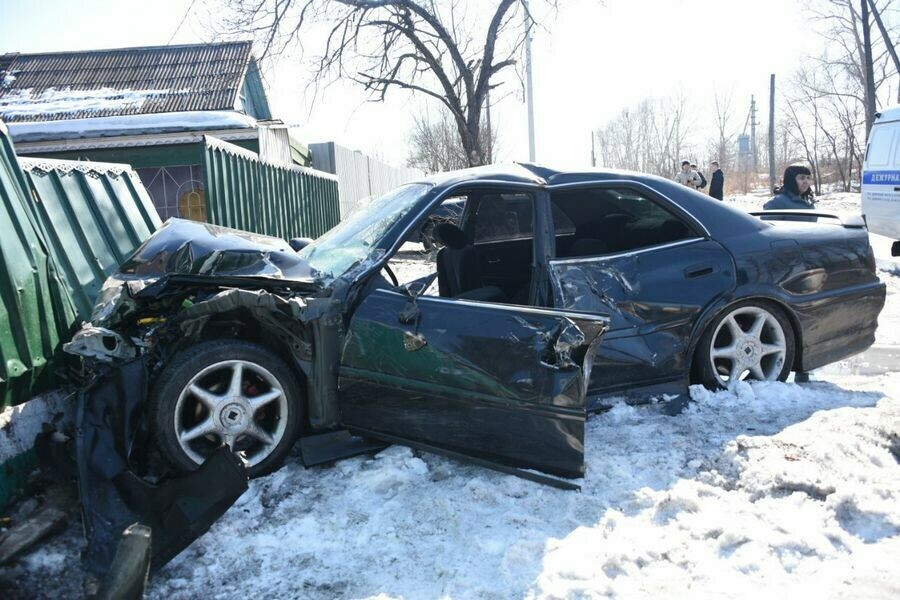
(123, 81)
(129, 125)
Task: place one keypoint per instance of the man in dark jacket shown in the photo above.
(717, 185)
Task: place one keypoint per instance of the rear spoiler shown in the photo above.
(848, 220)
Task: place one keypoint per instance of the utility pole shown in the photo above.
(529, 91)
(593, 151)
(869, 75)
(490, 132)
(753, 134)
(772, 131)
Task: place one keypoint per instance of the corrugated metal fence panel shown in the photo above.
(245, 193)
(274, 145)
(36, 310)
(93, 216)
(359, 176)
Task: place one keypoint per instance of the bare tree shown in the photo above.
(651, 137)
(447, 52)
(723, 147)
(434, 144)
(826, 105)
(841, 26)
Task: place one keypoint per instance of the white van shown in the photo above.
(881, 177)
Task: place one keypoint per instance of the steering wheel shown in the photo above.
(391, 275)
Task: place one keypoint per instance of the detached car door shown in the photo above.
(504, 384)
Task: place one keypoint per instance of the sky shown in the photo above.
(592, 59)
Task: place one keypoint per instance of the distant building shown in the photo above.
(149, 107)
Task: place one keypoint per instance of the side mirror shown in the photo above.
(414, 289)
(299, 244)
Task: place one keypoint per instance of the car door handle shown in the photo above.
(699, 271)
(493, 260)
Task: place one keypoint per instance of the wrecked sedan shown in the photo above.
(544, 293)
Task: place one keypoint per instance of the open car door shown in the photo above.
(504, 385)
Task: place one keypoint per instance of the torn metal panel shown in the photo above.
(110, 430)
(99, 343)
(189, 248)
(654, 299)
(500, 383)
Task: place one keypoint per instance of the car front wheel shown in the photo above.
(226, 392)
(750, 341)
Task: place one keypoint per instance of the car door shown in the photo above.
(499, 383)
(653, 288)
(502, 230)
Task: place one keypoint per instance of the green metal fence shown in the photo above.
(93, 216)
(282, 201)
(64, 227)
(35, 308)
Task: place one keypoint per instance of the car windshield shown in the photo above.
(354, 239)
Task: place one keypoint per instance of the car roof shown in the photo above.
(720, 219)
(529, 173)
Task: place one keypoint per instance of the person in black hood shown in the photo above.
(717, 181)
(796, 190)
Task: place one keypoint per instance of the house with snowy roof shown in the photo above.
(149, 107)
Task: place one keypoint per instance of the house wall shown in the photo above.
(171, 173)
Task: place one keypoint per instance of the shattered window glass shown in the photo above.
(355, 237)
(504, 217)
(416, 261)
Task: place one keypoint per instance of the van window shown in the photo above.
(879, 153)
(896, 127)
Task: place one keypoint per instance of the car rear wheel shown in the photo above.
(752, 340)
(226, 392)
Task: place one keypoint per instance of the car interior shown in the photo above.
(485, 252)
(598, 221)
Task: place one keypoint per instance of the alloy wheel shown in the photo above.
(235, 402)
(749, 343)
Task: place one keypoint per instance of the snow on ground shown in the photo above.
(769, 489)
(772, 488)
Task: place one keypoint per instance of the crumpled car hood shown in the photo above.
(182, 247)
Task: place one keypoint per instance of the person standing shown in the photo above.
(717, 181)
(687, 177)
(702, 178)
(795, 191)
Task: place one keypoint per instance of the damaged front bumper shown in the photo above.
(109, 427)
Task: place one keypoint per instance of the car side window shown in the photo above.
(502, 217)
(609, 220)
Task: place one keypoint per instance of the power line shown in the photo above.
(183, 19)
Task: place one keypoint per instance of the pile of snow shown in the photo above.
(52, 102)
(770, 488)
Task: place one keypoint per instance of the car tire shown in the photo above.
(751, 340)
(226, 392)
